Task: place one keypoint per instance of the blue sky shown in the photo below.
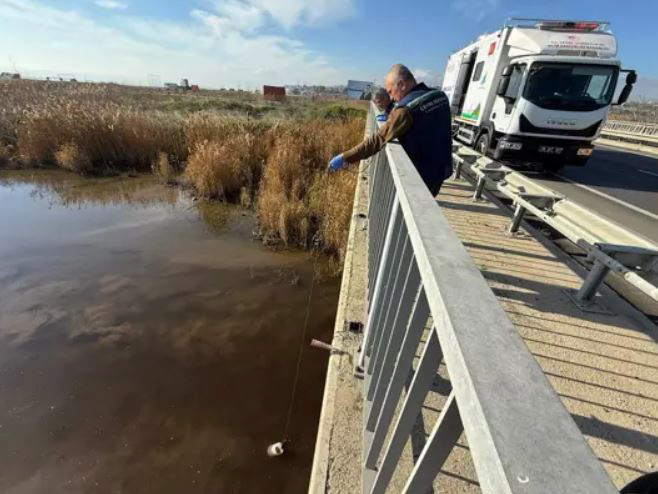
(245, 43)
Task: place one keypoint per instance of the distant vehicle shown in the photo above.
(536, 91)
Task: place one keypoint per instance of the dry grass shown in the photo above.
(112, 138)
(71, 157)
(296, 192)
(274, 165)
(224, 169)
(331, 202)
(635, 111)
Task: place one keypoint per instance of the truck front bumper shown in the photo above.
(526, 149)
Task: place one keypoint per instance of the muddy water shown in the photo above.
(148, 344)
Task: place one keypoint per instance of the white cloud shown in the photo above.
(224, 46)
(289, 13)
(111, 4)
(430, 77)
(242, 16)
(476, 10)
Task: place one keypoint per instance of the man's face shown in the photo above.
(381, 104)
(392, 89)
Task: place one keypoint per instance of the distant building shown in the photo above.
(8, 76)
(359, 89)
(274, 93)
(183, 86)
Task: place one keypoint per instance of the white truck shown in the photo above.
(535, 92)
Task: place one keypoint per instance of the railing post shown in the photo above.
(378, 287)
(417, 322)
(429, 364)
(395, 286)
(444, 436)
(403, 304)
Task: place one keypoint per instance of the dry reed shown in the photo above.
(276, 166)
(296, 191)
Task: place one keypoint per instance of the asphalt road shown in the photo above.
(619, 184)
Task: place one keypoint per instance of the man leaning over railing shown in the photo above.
(384, 104)
(421, 123)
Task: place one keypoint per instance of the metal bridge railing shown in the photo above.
(631, 132)
(521, 438)
(637, 128)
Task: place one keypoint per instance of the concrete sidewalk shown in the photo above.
(603, 366)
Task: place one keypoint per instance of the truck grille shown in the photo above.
(526, 126)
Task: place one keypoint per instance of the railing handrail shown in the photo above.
(521, 437)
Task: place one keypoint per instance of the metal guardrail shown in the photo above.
(638, 128)
(609, 246)
(634, 132)
(521, 438)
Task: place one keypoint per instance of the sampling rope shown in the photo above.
(299, 358)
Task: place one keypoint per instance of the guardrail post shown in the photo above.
(458, 169)
(592, 282)
(479, 188)
(518, 217)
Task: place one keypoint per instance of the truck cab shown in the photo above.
(535, 92)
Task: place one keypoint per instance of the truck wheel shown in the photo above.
(482, 145)
(553, 167)
(647, 484)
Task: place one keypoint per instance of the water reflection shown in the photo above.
(71, 190)
(143, 351)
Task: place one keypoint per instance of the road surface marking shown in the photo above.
(610, 198)
(648, 173)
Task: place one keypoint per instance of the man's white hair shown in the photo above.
(401, 72)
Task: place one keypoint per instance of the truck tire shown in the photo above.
(553, 167)
(647, 484)
(482, 144)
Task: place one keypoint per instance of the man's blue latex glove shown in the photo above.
(382, 117)
(336, 163)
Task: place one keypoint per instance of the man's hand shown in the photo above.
(336, 163)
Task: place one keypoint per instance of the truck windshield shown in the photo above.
(570, 87)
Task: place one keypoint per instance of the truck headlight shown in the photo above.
(513, 146)
(584, 152)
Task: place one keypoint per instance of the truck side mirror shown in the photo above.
(631, 78)
(625, 93)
